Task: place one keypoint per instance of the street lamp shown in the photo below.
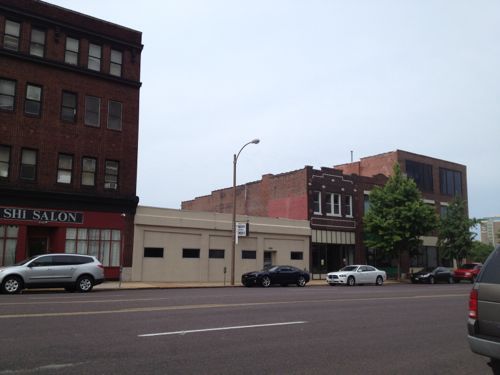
(233, 249)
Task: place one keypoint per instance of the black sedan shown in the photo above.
(433, 275)
(282, 275)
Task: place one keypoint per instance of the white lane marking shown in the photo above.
(219, 329)
(51, 367)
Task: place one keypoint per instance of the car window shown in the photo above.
(43, 261)
(349, 268)
(70, 260)
(368, 268)
(490, 271)
(468, 266)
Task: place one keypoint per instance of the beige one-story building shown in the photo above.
(187, 246)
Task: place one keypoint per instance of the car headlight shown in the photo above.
(342, 275)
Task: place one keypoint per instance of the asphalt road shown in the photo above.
(393, 329)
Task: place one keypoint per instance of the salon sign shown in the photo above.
(44, 216)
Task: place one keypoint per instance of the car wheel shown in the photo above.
(301, 281)
(379, 280)
(431, 280)
(456, 281)
(84, 284)
(266, 282)
(495, 365)
(12, 285)
(351, 281)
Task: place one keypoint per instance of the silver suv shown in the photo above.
(69, 271)
(484, 311)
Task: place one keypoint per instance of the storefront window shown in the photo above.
(105, 244)
(8, 243)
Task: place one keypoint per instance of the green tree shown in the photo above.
(480, 251)
(397, 217)
(455, 235)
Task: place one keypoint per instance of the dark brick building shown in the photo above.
(69, 112)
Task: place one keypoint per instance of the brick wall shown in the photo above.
(283, 195)
(50, 135)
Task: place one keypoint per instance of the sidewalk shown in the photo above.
(116, 285)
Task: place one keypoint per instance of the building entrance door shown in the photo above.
(269, 258)
(37, 246)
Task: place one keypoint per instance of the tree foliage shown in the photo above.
(480, 251)
(398, 216)
(456, 238)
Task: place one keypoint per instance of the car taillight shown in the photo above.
(473, 304)
(100, 266)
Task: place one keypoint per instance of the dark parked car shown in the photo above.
(433, 275)
(483, 324)
(282, 275)
(467, 271)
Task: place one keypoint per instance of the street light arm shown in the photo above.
(236, 156)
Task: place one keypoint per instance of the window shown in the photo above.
(348, 205)
(333, 204)
(443, 211)
(450, 182)
(104, 244)
(216, 254)
(111, 175)
(115, 67)
(33, 101)
(37, 43)
(71, 52)
(489, 273)
(28, 165)
(297, 255)
(94, 62)
(4, 161)
(248, 254)
(366, 203)
(115, 115)
(88, 171)
(64, 169)
(92, 111)
(11, 35)
(190, 253)
(8, 244)
(317, 202)
(7, 94)
(153, 252)
(68, 106)
(420, 173)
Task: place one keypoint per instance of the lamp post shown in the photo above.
(233, 248)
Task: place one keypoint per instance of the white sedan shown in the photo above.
(357, 274)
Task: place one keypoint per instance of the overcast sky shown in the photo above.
(313, 79)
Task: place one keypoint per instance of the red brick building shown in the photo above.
(69, 113)
(334, 200)
(440, 181)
